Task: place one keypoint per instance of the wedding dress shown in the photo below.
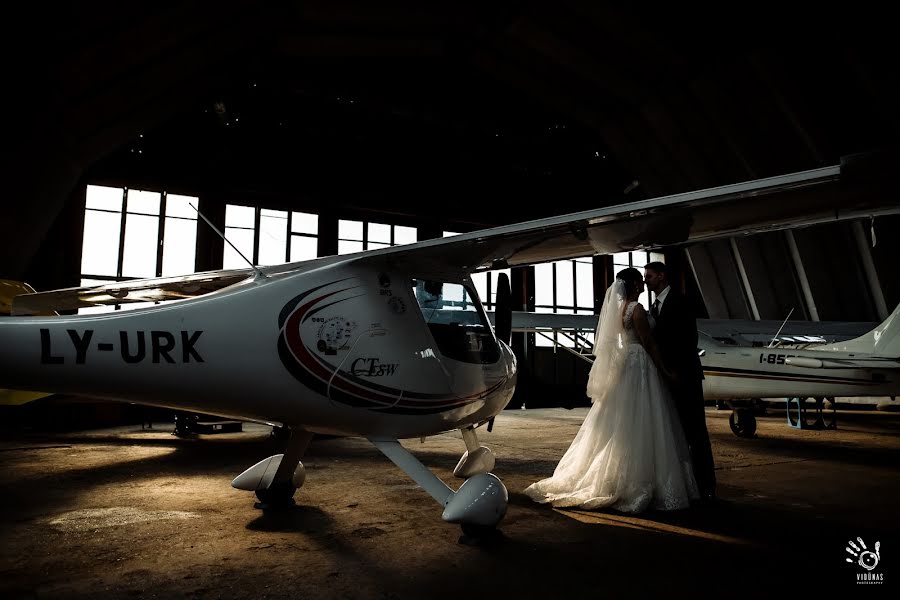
(630, 453)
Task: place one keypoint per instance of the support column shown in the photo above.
(865, 254)
(748, 291)
(801, 275)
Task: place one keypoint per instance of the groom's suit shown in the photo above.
(676, 337)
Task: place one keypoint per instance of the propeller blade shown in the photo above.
(503, 316)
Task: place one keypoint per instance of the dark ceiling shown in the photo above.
(474, 112)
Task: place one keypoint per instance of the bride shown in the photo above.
(630, 453)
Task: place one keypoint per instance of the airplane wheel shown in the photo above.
(277, 495)
(743, 423)
(477, 535)
(477, 530)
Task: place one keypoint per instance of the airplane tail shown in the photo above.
(883, 341)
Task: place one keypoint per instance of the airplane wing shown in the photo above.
(858, 187)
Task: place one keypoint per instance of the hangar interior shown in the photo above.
(317, 128)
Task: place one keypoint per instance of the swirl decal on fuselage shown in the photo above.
(351, 388)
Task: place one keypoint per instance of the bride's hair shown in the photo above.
(632, 278)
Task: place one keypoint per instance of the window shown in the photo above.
(154, 236)
(486, 282)
(356, 236)
(456, 321)
(563, 287)
(637, 259)
(284, 236)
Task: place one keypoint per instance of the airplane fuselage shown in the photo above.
(339, 349)
(746, 372)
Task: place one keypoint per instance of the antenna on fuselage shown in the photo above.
(780, 328)
(227, 241)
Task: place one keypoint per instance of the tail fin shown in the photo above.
(883, 341)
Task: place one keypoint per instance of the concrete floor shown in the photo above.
(126, 512)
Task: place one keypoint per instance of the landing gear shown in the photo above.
(477, 535)
(479, 503)
(277, 478)
(743, 422)
(799, 418)
(277, 495)
(477, 458)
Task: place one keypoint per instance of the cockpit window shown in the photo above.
(457, 321)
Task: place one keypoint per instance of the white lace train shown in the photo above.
(630, 453)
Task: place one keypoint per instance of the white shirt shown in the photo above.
(661, 297)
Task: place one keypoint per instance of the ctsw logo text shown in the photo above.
(370, 367)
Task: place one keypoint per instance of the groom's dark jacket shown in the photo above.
(676, 337)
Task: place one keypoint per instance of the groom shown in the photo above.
(676, 337)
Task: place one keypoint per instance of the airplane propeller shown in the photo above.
(503, 316)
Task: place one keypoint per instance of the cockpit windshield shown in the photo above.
(457, 321)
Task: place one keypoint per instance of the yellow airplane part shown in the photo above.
(17, 397)
(9, 289)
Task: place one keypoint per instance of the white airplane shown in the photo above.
(868, 365)
(359, 344)
(792, 368)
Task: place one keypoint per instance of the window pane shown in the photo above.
(622, 258)
(379, 232)
(584, 277)
(638, 259)
(100, 249)
(540, 339)
(179, 246)
(479, 281)
(305, 223)
(543, 284)
(180, 206)
(303, 248)
(565, 283)
(104, 198)
(141, 242)
(272, 237)
(143, 202)
(94, 310)
(450, 233)
(374, 246)
(350, 230)
(243, 240)
(565, 340)
(346, 247)
(657, 257)
(240, 216)
(405, 235)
